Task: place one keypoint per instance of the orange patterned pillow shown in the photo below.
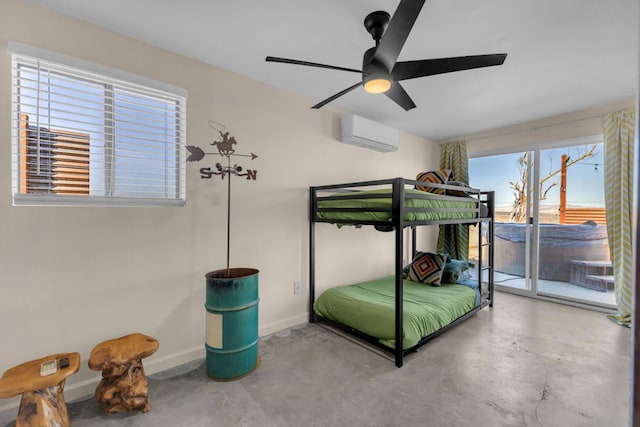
(427, 267)
(437, 177)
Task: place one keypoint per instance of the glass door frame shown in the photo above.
(530, 233)
(532, 230)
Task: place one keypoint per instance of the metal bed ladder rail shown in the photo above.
(488, 244)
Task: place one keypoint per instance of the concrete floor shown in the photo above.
(522, 363)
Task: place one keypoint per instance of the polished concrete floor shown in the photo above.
(521, 363)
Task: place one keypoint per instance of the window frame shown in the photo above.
(105, 76)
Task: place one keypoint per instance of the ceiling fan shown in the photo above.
(381, 73)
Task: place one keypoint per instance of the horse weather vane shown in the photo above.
(225, 149)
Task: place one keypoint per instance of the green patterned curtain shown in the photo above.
(454, 239)
(619, 133)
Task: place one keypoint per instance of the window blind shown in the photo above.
(85, 138)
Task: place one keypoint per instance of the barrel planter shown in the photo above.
(232, 323)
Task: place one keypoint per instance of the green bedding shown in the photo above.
(431, 207)
(369, 308)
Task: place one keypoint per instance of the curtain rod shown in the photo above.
(535, 128)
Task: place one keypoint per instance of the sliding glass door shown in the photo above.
(507, 175)
(550, 229)
(574, 260)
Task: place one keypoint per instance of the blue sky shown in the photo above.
(585, 185)
(144, 129)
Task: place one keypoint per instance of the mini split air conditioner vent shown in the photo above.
(368, 134)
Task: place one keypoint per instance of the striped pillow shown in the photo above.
(427, 268)
(437, 177)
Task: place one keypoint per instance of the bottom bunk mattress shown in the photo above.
(369, 307)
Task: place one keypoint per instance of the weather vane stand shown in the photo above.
(225, 149)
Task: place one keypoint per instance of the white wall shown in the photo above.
(72, 277)
(543, 132)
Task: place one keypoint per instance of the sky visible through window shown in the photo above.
(585, 181)
(143, 159)
(144, 130)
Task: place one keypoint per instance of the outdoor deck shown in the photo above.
(560, 289)
(575, 253)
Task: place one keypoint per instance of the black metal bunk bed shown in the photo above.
(481, 213)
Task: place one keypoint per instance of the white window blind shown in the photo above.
(82, 137)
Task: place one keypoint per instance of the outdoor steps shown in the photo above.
(583, 274)
(600, 283)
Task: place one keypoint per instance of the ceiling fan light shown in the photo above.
(377, 85)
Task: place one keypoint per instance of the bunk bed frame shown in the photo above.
(398, 222)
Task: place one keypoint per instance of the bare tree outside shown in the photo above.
(519, 187)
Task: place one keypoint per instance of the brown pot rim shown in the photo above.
(234, 273)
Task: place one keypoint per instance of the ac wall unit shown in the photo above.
(365, 133)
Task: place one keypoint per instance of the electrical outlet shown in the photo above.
(297, 287)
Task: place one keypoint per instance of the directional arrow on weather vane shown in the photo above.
(196, 154)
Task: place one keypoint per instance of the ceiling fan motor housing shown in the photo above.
(376, 78)
(372, 69)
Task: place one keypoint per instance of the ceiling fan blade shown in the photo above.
(397, 32)
(398, 95)
(429, 67)
(309, 64)
(337, 95)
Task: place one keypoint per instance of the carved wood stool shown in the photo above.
(41, 383)
(124, 384)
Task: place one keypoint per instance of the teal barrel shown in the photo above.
(232, 323)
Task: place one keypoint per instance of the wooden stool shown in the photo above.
(124, 384)
(42, 402)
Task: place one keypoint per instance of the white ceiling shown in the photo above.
(564, 55)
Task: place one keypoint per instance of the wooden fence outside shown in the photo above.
(582, 215)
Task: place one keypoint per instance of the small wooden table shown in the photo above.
(42, 402)
(596, 275)
(124, 384)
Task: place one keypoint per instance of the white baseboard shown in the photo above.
(85, 389)
(8, 404)
(280, 325)
(160, 364)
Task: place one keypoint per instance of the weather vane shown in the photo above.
(225, 149)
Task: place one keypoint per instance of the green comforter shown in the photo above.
(432, 207)
(369, 308)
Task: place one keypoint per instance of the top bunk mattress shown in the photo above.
(376, 206)
(370, 306)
